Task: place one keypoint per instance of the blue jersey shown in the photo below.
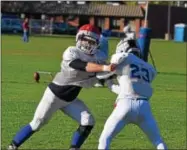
(104, 46)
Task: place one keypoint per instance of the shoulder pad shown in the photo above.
(70, 53)
(118, 58)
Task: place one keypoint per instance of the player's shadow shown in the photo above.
(172, 73)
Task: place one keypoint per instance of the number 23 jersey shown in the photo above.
(135, 77)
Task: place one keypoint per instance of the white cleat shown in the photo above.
(12, 147)
(98, 85)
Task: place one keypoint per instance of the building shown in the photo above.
(111, 15)
(107, 16)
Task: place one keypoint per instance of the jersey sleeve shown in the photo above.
(118, 58)
(153, 73)
(70, 54)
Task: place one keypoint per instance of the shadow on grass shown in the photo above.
(172, 73)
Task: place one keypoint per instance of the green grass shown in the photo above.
(20, 95)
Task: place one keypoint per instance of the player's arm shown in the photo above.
(73, 59)
(108, 76)
(113, 87)
(89, 66)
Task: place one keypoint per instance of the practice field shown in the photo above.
(20, 95)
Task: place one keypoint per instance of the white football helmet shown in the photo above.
(129, 32)
(127, 29)
(87, 39)
(127, 46)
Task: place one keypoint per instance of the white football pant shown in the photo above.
(131, 111)
(49, 104)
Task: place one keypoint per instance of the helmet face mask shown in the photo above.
(87, 39)
(128, 46)
(122, 47)
(87, 44)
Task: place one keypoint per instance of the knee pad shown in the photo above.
(85, 130)
(87, 119)
(36, 124)
(80, 136)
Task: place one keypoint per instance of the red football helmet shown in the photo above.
(87, 39)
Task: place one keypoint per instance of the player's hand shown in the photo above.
(110, 67)
(113, 67)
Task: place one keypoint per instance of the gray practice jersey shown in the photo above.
(70, 76)
(134, 77)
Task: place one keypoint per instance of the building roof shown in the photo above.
(108, 10)
(73, 9)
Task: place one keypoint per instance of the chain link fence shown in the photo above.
(37, 26)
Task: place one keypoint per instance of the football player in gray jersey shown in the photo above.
(78, 68)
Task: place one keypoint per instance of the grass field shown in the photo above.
(20, 95)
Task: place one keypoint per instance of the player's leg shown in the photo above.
(150, 128)
(27, 36)
(114, 124)
(79, 112)
(47, 106)
(100, 83)
(24, 36)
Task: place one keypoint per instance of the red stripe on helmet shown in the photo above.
(90, 28)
